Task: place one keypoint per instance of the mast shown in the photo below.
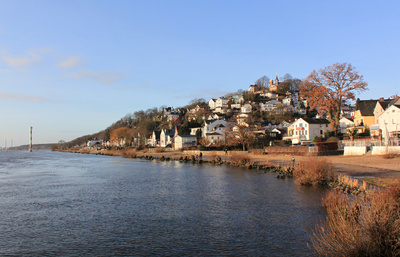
(30, 138)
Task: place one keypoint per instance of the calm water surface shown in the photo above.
(63, 204)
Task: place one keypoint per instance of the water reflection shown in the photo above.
(71, 204)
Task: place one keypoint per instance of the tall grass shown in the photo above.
(128, 153)
(360, 226)
(348, 181)
(313, 171)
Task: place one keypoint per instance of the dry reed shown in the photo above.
(348, 181)
(360, 226)
(239, 159)
(128, 153)
(313, 171)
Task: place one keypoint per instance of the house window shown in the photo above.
(393, 121)
(321, 132)
(297, 132)
(326, 125)
(305, 132)
(393, 111)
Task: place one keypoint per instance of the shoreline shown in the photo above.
(366, 167)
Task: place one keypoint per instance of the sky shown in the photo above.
(71, 68)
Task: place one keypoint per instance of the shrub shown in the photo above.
(257, 151)
(360, 226)
(317, 139)
(128, 153)
(159, 150)
(326, 146)
(333, 139)
(239, 159)
(313, 171)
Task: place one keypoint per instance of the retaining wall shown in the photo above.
(380, 150)
(355, 150)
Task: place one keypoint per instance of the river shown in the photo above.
(65, 204)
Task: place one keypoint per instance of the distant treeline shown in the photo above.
(34, 147)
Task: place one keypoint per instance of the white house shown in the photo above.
(268, 106)
(287, 101)
(221, 109)
(166, 137)
(305, 129)
(344, 124)
(218, 105)
(154, 139)
(269, 95)
(212, 103)
(215, 137)
(168, 110)
(389, 122)
(221, 101)
(246, 108)
(183, 141)
(380, 107)
(214, 126)
(237, 106)
(92, 143)
(242, 117)
(237, 99)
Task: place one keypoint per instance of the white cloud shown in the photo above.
(27, 60)
(23, 98)
(104, 77)
(71, 62)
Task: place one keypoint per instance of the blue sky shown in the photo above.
(71, 68)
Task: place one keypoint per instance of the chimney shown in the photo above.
(381, 99)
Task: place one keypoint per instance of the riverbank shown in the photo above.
(379, 170)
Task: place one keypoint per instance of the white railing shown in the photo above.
(391, 142)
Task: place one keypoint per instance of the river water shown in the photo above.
(64, 204)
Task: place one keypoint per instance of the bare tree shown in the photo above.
(240, 135)
(287, 77)
(326, 89)
(262, 82)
